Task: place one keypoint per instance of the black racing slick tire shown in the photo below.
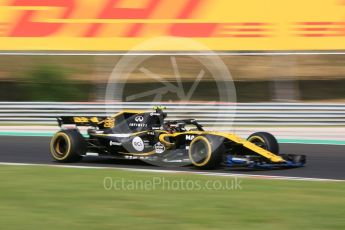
(68, 146)
(206, 152)
(265, 140)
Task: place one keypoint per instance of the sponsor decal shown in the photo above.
(130, 157)
(109, 123)
(111, 143)
(80, 119)
(220, 24)
(94, 119)
(139, 118)
(137, 125)
(189, 137)
(159, 147)
(135, 157)
(138, 144)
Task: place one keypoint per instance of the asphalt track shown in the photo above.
(323, 161)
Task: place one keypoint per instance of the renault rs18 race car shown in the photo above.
(148, 136)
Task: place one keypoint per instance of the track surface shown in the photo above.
(323, 161)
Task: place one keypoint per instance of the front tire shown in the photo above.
(68, 146)
(265, 140)
(205, 152)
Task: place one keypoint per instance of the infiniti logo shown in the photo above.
(139, 118)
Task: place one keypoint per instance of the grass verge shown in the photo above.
(37, 197)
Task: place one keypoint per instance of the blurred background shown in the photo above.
(257, 78)
(286, 62)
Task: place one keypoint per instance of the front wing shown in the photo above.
(290, 161)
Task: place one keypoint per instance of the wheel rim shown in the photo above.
(60, 146)
(200, 151)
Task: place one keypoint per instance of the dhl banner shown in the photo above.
(119, 25)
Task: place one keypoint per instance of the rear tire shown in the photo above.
(68, 146)
(205, 152)
(265, 140)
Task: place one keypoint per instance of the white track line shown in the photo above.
(256, 176)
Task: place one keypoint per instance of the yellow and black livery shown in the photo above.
(148, 135)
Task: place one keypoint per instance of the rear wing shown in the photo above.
(100, 122)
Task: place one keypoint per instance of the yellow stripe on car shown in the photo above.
(232, 137)
(140, 154)
(263, 152)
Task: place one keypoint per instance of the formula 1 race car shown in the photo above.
(148, 136)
